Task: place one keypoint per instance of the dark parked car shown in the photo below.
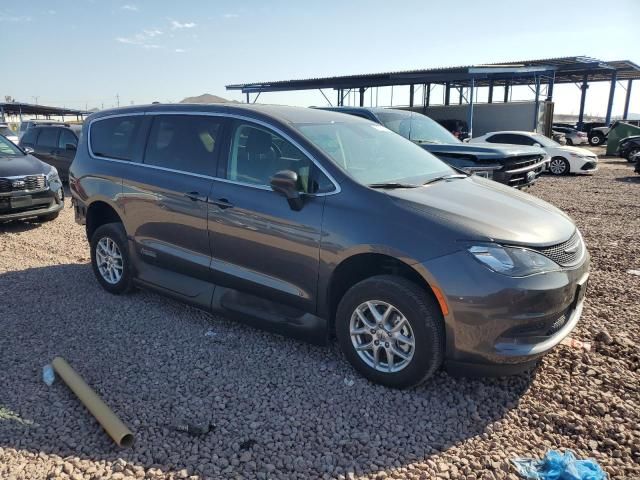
(315, 223)
(55, 145)
(628, 147)
(28, 187)
(598, 135)
(514, 166)
(458, 128)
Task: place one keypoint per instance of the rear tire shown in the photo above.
(631, 153)
(110, 258)
(596, 139)
(569, 142)
(418, 336)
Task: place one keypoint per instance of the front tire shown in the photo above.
(391, 330)
(110, 258)
(559, 166)
(596, 139)
(631, 153)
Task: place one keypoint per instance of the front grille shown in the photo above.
(521, 161)
(567, 253)
(22, 184)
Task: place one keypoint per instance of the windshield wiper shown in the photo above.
(445, 177)
(392, 185)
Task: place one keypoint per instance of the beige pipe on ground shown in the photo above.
(109, 421)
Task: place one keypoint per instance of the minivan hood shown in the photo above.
(22, 165)
(489, 151)
(484, 210)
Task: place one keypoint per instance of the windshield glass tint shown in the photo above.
(7, 148)
(6, 131)
(371, 153)
(545, 141)
(416, 127)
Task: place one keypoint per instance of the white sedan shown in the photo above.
(563, 159)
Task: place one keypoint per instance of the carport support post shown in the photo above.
(362, 96)
(612, 92)
(247, 97)
(550, 88)
(447, 93)
(427, 98)
(537, 103)
(490, 99)
(2, 114)
(411, 93)
(627, 99)
(506, 91)
(583, 97)
(470, 111)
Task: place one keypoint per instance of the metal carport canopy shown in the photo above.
(18, 108)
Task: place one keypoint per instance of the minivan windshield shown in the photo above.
(416, 127)
(373, 154)
(8, 149)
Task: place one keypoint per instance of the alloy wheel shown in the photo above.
(382, 336)
(557, 166)
(109, 260)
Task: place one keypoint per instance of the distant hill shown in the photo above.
(207, 98)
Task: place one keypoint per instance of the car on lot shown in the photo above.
(628, 147)
(564, 159)
(53, 144)
(27, 124)
(572, 136)
(514, 166)
(315, 223)
(28, 187)
(7, 133)
(598, 135)
(559, 137)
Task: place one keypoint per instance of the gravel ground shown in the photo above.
(285, 409)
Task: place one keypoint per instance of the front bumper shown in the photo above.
(20, 205)
(499, 324)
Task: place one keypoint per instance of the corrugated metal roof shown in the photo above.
(564, 69)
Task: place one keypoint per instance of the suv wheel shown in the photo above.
(391, 331)
(559, 166)
(631, 153)
(110, 258)
(596, 139)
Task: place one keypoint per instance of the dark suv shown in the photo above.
(55, 145)
(28, 187)
(316, 223)
(514, 166)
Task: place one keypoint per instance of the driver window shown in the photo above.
(257, 154)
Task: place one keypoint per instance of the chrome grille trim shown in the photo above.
(25, 183)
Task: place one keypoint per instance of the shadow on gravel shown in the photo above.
(635, 179)
(276, 404)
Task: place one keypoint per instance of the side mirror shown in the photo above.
(286, 184)
(70, 146)
(537, 145)
(28, 150)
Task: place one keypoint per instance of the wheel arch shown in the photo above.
(99, 213)
(361, 266)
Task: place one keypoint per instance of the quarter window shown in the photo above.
(184, 142)
(48, 137)
(66, 137)
(115, 137)
(29, 136)
(257, 154)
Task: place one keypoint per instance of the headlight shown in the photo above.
(52, 176)
(512, 261)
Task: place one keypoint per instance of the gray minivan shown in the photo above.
(314, 223)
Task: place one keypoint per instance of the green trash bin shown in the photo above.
(619, 130)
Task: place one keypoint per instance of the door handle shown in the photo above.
(195, 196)
(222, 203)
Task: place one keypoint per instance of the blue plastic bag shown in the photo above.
(558, 466)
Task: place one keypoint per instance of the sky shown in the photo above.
(100, 53)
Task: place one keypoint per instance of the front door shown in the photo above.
(261, 246)
(165, 199)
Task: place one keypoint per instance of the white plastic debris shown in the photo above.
(48, 375)
(576, 344)
(349, 382)
(210, 333)
(634, 272)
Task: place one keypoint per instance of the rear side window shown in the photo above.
(30, 136)
(67, 137)
(115, 137)
(184, 142)
(48, 137)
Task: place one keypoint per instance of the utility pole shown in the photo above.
(118, 99)
(35, 98)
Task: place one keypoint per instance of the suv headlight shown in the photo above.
(52, 176)
(512, 261)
